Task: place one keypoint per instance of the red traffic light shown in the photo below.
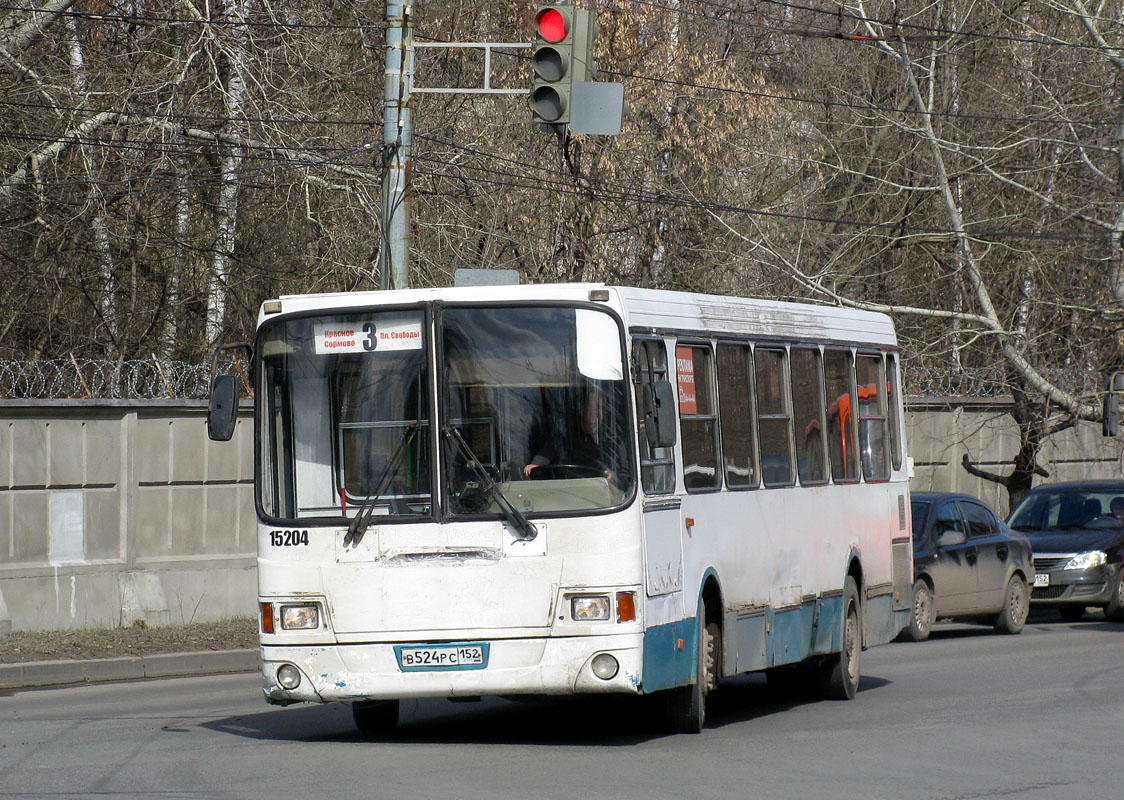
(551, 24)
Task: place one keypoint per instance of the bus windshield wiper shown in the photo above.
(358, 526)
(526, 528)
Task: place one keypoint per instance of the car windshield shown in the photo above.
(1070, 508)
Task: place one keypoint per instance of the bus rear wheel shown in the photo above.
(686, 705)
(839, 675)
(375, 716)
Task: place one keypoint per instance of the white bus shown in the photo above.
(561, 489)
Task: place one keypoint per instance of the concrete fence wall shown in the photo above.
(941, 432)
(117, 511)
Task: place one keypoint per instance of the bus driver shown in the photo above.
(584, 446)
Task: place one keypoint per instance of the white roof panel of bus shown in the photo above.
(644, 308)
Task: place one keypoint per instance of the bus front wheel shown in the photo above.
(839, 675)
(375, 716)
(687, 704)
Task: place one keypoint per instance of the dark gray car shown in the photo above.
(1078, 544)
(967, 564)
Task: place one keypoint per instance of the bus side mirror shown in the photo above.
(659, 414)
(223, 411)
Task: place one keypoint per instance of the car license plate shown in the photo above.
(469, 655)
(1041, 579)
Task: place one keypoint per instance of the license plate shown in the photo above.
(1041, 579)
(415, 658)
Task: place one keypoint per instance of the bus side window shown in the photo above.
(894, 401)
(840, 419)
(774, 423)
(807, 412)
(657, 464)
(698, 423)
(872, 417)
(735, 410)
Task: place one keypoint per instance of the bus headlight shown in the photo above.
(300, 618)
(589, 607)
(288, 676)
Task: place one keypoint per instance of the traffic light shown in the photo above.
(562, 55)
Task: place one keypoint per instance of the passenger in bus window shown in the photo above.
(584, 448)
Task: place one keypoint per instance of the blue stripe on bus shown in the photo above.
(666, 664)
(883, 622)
(747, 643)
(765, 639)
(828, 636)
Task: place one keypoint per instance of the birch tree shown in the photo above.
(976, 166)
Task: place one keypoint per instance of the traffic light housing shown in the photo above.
(562, 54)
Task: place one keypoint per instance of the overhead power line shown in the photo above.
(899, 29)
(856, 106)
(179, 116)
(519, 174)
(790, 98)
(120, 17)
(609, 191)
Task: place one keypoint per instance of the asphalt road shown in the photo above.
(968, 714)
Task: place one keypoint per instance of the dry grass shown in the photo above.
(233, 634)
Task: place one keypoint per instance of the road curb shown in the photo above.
(126, 668)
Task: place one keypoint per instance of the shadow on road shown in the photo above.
(586, 721)
(1040, 619)
(590, 721)
(745, 698)
(957, 630)
(1093, 620)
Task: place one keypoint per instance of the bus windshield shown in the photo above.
(539, 395)
(532, 402)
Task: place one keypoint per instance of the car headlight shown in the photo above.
(1093, 558)
(302, 618)
(589, 607)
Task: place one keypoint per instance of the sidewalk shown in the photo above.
(127, 668)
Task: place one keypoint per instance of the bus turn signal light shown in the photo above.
(267, 617)
(626, 607)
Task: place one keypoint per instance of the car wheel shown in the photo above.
(1071, 613)
(375, 717)
(1115, 608)
(921, 616)
(839, 674)
(1016, 605)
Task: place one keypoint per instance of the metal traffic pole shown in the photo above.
(398, 144)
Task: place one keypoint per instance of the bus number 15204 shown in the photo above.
(288, 538)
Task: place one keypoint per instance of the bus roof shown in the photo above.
(643, 310)
(718, 315)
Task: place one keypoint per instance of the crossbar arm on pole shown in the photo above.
(487, 47)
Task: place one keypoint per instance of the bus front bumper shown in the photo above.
(542, 666)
